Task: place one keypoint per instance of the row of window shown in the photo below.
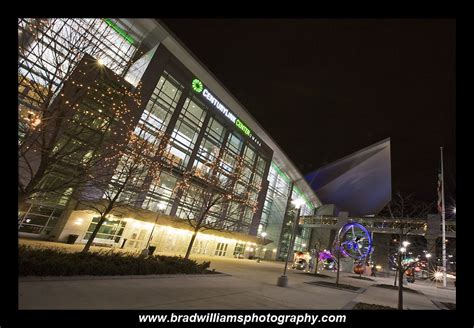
(112, 230)
(52, 47)
(217, 146)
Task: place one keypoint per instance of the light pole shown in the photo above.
(428, 255)
(283, 280)
(443, 220)
(161, 207)
(405, 245)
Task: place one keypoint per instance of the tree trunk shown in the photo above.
(316, 265)
(190, 246)
(22, 204)
(94, 233)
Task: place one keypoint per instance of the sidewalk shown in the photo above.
(206, 292)
(245, 285)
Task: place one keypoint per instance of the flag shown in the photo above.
(440, 201)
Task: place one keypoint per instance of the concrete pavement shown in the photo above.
(248, 285)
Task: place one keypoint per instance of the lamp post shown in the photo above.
(428, 255)
(443, 221)
(161, 207)
(283, 280)
(405, 246)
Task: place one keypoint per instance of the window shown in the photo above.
(111, 229)
(221, 249)
(160, 108)
(49, 58)
(235, 143)
(186, 131)
(216, 130)
(210, 146)
(160, 193)
(200, 246)
(239, 249)
(208, 150)
(249, 154)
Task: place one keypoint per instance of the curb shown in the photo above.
(349, 306)
(439, 305)
(154, 276)
(361, 290)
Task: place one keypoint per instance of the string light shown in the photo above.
(222, 184)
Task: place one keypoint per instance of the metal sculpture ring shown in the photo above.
(354, 240)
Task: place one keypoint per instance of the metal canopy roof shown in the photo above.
(360, 183)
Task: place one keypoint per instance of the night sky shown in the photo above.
(326, 88)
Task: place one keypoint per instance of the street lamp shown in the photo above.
(428, 256)
(406, 243)
(161, 207)
(283, 280)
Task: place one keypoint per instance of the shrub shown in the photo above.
(368, 306)
(54, 262)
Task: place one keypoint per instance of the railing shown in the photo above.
(416, 226)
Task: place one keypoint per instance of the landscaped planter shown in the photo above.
(51, 262)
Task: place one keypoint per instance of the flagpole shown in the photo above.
(443, 220)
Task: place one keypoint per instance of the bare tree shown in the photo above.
(337, 254)
(209, 196)
(50, 90)
(139, 165)
(401, 209)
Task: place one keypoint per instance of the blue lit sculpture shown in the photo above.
(354, 241)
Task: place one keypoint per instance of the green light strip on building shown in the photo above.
(288, 180)
(281, 174)
(119, 30)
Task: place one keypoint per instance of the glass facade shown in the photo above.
(194, 137)
(192, 133)
(39, 219)
(278, 215)
(111, 229)
(274, 208)
(49, 51)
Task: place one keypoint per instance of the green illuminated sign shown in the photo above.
(197, 86)
(242, 126)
